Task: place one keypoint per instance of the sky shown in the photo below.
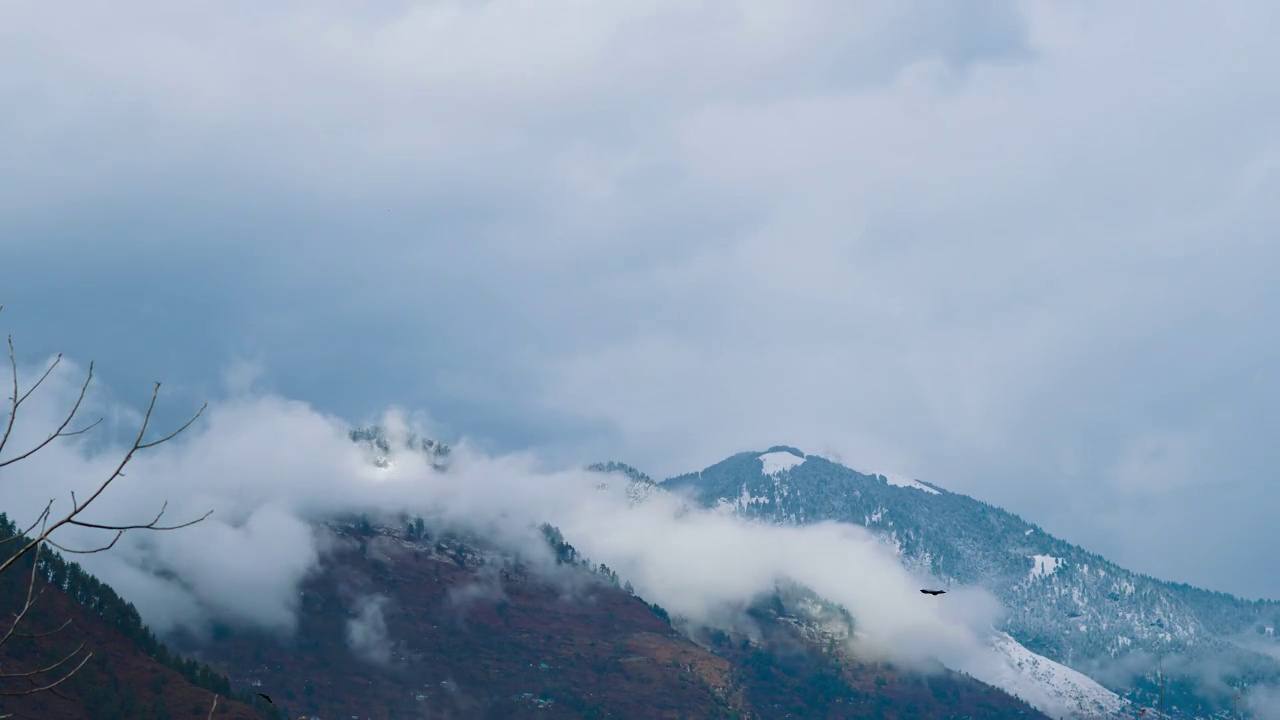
(1024, 251)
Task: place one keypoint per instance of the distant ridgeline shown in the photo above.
(103, 694)
(626, 470)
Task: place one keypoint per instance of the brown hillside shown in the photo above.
(476, 636)
(120, 679)
(475, 640)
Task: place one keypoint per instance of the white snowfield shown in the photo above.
(904, 481)
(1052, 688)
(1045, 565)
(778, 462)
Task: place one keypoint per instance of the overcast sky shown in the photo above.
(1025, 251)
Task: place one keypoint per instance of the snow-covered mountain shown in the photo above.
(1071, 614)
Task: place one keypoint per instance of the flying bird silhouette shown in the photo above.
(264, 697)
(934, 592)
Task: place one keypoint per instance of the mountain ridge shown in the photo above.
(1060, 598)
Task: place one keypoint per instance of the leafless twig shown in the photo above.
(30, 541)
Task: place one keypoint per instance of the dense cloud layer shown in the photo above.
(269, 468)
(1022, 250)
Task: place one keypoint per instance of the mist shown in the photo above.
(367, 631)
(270, 468)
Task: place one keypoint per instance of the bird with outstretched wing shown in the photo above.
(934, 592)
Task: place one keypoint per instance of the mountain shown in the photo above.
(381, 444)
(1069, 609)
(129, 674)
(405, 621)
(408, 617)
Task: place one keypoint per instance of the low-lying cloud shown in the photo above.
(1029, 243)
(1262, 702)
(269, 468)
(367, 631)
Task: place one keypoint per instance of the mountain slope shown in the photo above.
(402, 622)
(1069, 605)
(129, 676)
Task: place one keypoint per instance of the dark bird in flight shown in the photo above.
(934, 592)
(264, 697)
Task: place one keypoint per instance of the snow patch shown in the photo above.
(1045, 565)
(778, 462)
(904, 481)
(740, 503)
(1052, 688)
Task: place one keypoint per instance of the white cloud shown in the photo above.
(367, 631)
(1263, 702)
(967, 243)
(269, 468)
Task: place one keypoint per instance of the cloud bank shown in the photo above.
(1022, 250)
(270, 468)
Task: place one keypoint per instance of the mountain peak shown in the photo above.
(780, 459)
(385, 442)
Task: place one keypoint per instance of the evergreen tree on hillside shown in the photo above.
(101, 600)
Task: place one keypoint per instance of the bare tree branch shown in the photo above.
(32, 596)
(148, 526)
(103, 548)
(31, 541)
(54, 631)
(49, 686)
(47, 507)
(78, 507)
(13, 412)
(43, 377)
(175, 433)
(32, 673)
